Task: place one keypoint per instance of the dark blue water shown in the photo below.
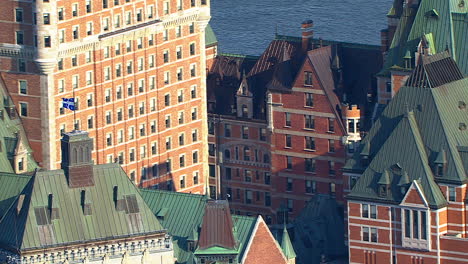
(247, 26)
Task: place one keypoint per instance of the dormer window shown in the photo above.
(244, 90)
(440, 164)
(382, 190)
(384, 184)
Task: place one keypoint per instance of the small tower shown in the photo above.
(76, 159)
(287, 247)
(244, 99)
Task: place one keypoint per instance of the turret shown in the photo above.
(46, 32)
(287, 247)
(244, 99)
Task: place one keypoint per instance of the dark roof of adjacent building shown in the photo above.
(422, 126)
(11, 132)
(41, 211)
(277, 67)
(444, 23)
(318, 230)
(182, 215)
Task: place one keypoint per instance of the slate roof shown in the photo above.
(417, 125)
(317, 230)
(184, 217)
(446, 20)
(277, 68)
(224, 79)
(52, 214)
(9, 130)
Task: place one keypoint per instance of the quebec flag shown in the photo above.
(68, 103)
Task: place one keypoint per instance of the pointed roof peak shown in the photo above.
(384, 178)
(286, 245)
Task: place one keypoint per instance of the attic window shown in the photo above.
(432, 13)
(382, 190)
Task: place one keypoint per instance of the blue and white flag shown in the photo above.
(68, 103)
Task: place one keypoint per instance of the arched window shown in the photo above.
(227, 154)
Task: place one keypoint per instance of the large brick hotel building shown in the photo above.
(136, 69)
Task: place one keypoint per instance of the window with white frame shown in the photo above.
(415, 228)
(107, 73)
(89, 77)
(152, 82)
(369, 234)
(369, 211)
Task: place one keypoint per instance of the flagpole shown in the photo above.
(74, 110)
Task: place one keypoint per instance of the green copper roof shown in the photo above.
(287, 246)
(52, 214)
(447, 23)
(9, 130)
(417, 125)
(210, 37)
(185, 215)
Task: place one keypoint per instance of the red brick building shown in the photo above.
(409, 202)
(136, 70)
(277, 128)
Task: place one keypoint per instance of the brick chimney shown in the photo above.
(307, 33)
(76, 159)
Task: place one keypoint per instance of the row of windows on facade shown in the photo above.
(75, 35)
(309, 143)
(309, 165)
(309, 122)
(131, 114)
(414, 227)
(230, 173)
(130, 69)
(156, 171)
(132, 155)
(248, 195)
(244, 131)
(246, 154)
(75, 12)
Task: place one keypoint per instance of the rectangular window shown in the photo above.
(19, 15)
(75, 10)
(193, 91)
(194, 114)
(331, 125)
(287, 117)
(23, 109)
(194, 135)
(331, 168)
(289, 184)
(309, 99)
(309, 143)
(331, 145)
(193, 70)
(192, 49)
(245, 132)
(365, 210)
(309, 165)
(452, 194)
(88, 6)
(179, 52)
(210, 128)
(288, 141)
(89, 28)
(373, 234)
(373, 211)
(307, 78)
(211, 149)
(168, 121)
(47, 42)
(289, 163)
(21, 65)
(181, 139)
(365, 233)
(130, 89)
(227, 130)
(166, 8)
(46, 17)
(23, 86)
(407, 223)
(60, 13)
(195, 157)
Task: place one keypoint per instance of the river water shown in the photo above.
(247, 26)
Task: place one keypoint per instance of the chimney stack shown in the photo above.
(307, 33)
(76, 159)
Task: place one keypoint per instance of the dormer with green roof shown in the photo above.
(48, 217)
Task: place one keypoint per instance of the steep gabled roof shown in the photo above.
(446, 20)
(217, 227)
(52, 214)
(210, 37)
(184, 214)
(418, 124)
(9, 130)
